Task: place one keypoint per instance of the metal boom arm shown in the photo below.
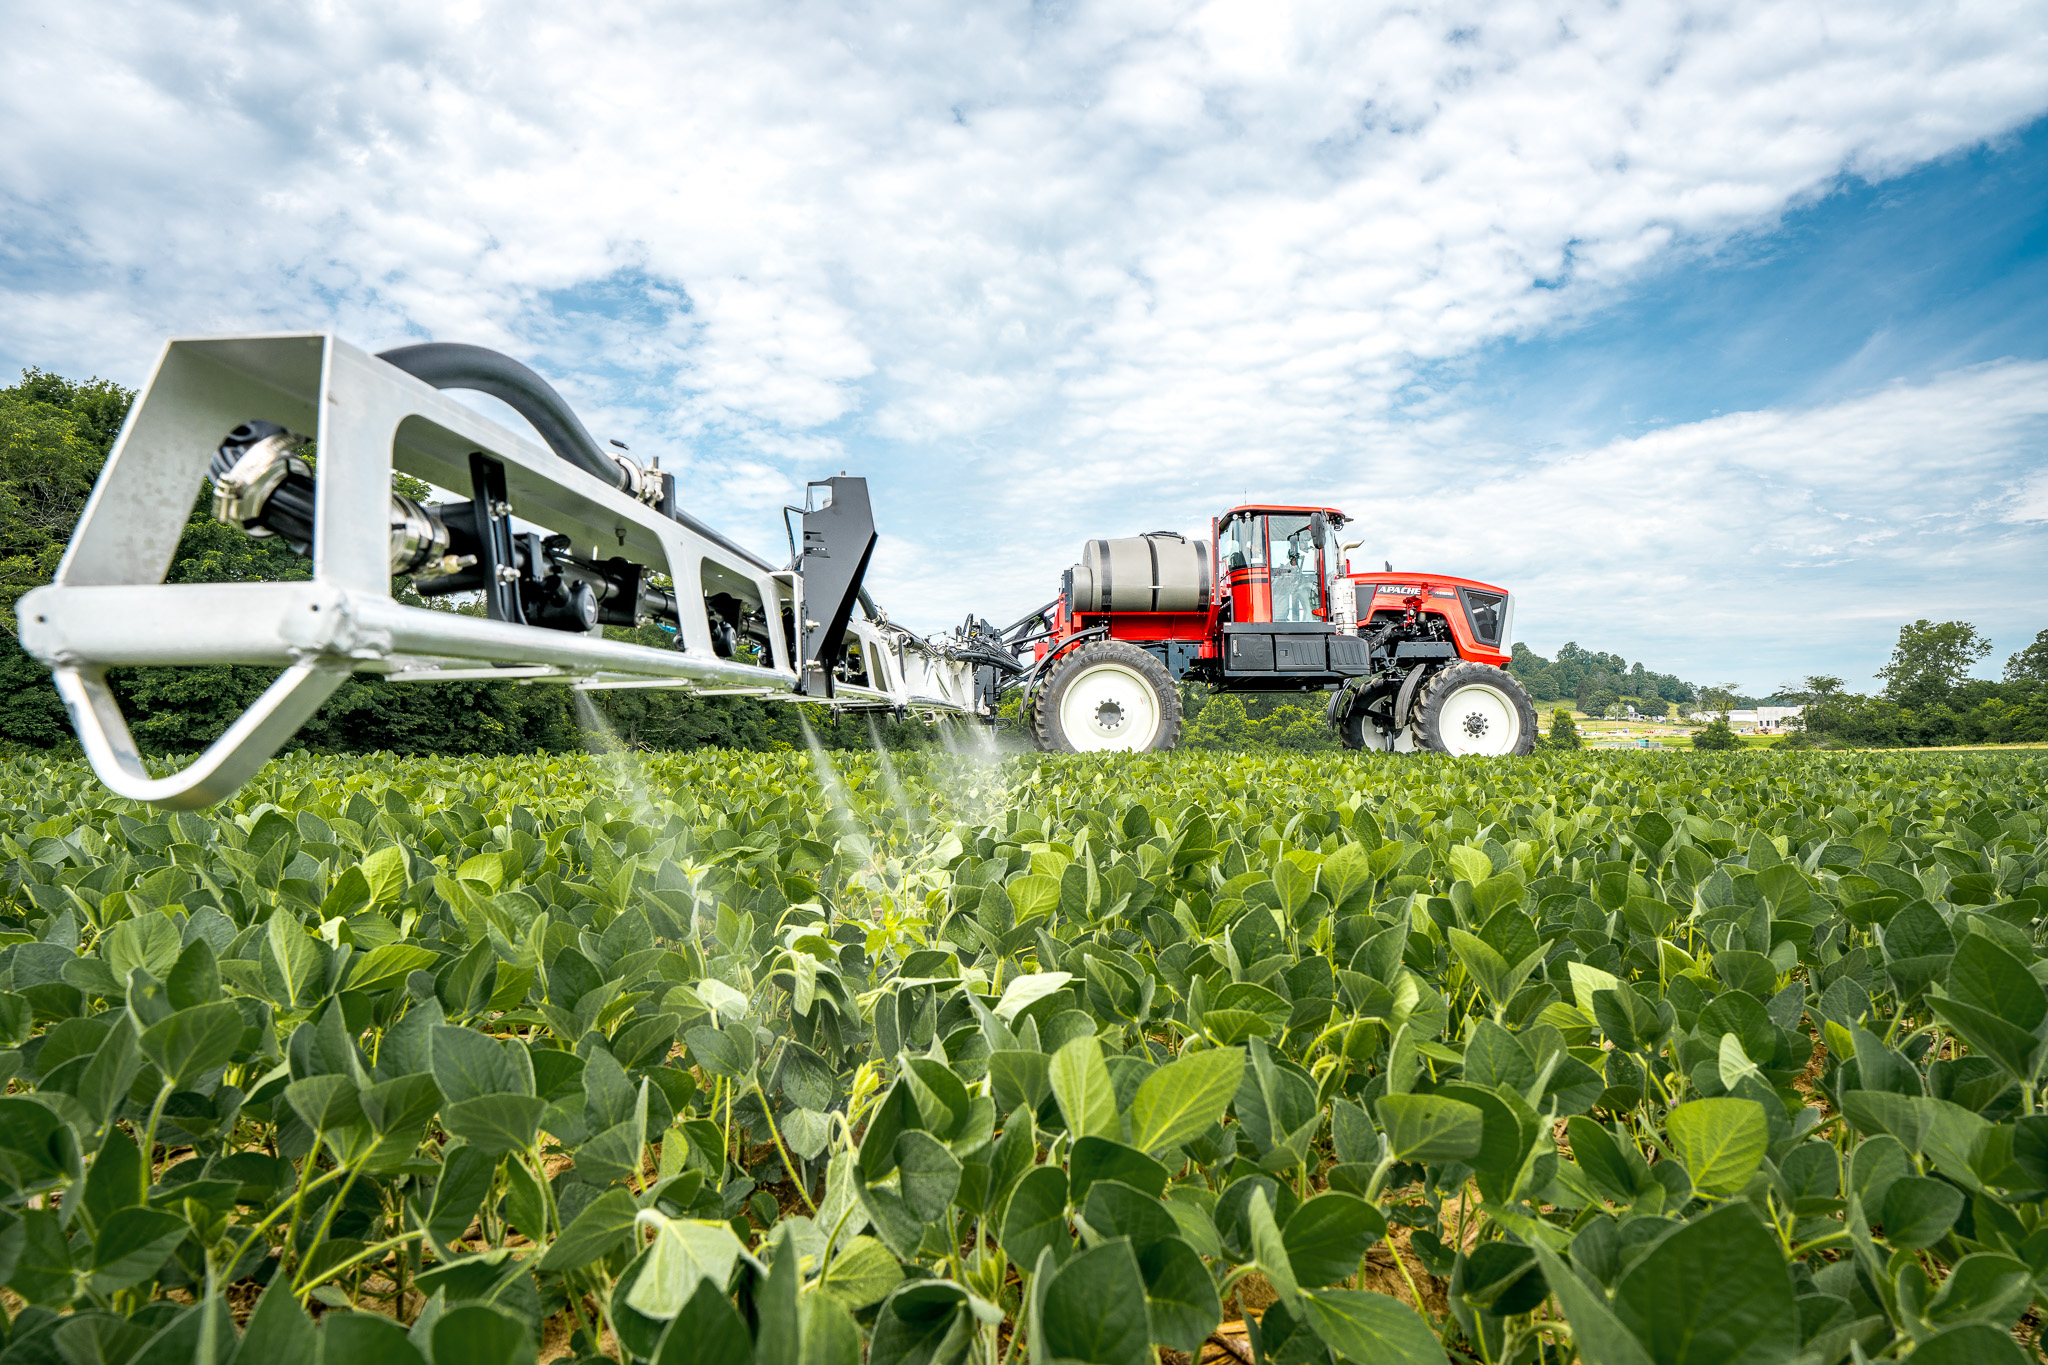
(741, 625)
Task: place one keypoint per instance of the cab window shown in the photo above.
(1243, 544)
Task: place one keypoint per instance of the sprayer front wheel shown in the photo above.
(1472, 710)
(1106, 697)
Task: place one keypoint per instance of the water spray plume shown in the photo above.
(890, 781)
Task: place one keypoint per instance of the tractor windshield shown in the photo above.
(1297, 569)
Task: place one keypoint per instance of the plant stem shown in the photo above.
(365, 1254)
(787, 1164)
(270, 1218)
(1395, 1252)
(327, 1219)
(156, 1112)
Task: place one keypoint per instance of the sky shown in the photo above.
(1714, 332)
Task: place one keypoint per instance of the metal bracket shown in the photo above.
(1407, 697)
(227, 763)
(500, 559)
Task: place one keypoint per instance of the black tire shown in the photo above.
(1349, 722)
(1474, 709)
(1097, 691)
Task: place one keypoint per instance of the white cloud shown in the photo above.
(1046, 272)
(1766, 542)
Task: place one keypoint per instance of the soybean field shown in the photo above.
(1630, 1058)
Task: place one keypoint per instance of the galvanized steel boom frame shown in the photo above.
(109, 606)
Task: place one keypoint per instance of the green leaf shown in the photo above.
(300, 958)
(1430, 1127)
(1093, 1309)
(1470, 864)
(1019, 1079)
(862, 1274)
(717, 1052)
(132, 1246)
(930, 1174)
(1027, 990)
(1080, 1081)
(467, 1065)
(1714, 1292)
(404, 1102)
(1183, 1099)
(186, 1045)
(830, 1335)
(1599, 1335)
(1269, 1248)
(1988, 977)
(1114, 1209)
(1983, 1287)
(687, 1255)
(601, 1226)
(1366, 1327)
(1328, 1234)
(1723, 1141)
(465, 1179)
(707, 1330)
(1034, 895)
(1918, 1212)
(195, 979)
(365, 1339)
(1036, 1218)
(1096, 1159)
(480, 1334)
(278, 1330)
(1973, 1344)
(496, 1124)
(1181, 1306)
(325, 1103)
(149, 942)
(2005, 1042)
(386, 872)
(385, 967)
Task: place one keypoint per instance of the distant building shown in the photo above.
(1761, 720)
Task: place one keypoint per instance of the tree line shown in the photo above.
(1928, 696)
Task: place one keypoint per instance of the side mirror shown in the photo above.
(1318, 528)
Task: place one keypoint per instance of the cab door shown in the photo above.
(1241, 555)
(1294, 576)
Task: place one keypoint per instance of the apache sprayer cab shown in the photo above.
(1267, 603)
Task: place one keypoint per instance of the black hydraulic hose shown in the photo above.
(453, 365)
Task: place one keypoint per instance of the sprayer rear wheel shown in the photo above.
(1106, 697)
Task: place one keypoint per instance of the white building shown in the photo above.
(1761, 720)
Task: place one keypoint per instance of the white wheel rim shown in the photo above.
(1478, 719)
(1109, 707)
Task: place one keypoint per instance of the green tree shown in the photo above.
(2031, 663)
(1721, 697)
(1652, 707)
(54, 436)
(1564, 731)
(1716, 734)
(1930, 661)
(1222, 724)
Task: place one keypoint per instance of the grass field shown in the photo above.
(718, 1056)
